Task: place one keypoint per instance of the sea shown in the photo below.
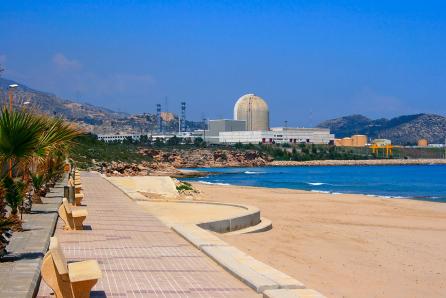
(420, 182)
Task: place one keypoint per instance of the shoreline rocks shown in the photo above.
(170, 163)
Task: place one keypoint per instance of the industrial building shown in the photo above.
(422, 143)
(382, 142)
(118, 138)
(223, 125)
(254, 110)
(251, 126)
(279, 135)
(354, 141)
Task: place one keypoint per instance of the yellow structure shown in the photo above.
(74, 280)
(422, 143)
(387, 149)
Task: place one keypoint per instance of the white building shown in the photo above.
(118, 138)
(278, 135)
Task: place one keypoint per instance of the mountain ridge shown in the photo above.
(405, 129)
(92, 118)
(402, 130)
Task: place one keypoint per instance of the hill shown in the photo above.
(401, 130)
(85, 114)
(92, 118)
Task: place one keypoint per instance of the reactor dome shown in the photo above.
(254, 110)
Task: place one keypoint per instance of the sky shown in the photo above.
(310, 60)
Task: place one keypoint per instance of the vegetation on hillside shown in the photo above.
(304, 152)
(89, 151)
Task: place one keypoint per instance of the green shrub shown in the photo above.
(184, 186)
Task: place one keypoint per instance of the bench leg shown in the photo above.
(68, 224)
(60, 284)
(82, 289)
(78, 200)
(79, 222)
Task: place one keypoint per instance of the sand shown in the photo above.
(346, 245)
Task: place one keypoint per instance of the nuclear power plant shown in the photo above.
(254, 110)
(251, 126)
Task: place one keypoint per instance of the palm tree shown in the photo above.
(14, 193)
(37, 147)
(19, 135)
(37, 181)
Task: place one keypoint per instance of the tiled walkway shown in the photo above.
(138, 255)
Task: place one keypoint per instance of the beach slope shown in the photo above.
(346, 245)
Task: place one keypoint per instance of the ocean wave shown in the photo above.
(320, 191)
(316, 183)
(213, 183)
(253, 173)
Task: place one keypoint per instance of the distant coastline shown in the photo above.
(361, 162)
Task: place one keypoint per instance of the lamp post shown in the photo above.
(10, 93)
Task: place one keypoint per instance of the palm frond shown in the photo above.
(19, 134)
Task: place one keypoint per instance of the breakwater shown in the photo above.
(367, 162)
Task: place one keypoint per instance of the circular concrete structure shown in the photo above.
(254, 110)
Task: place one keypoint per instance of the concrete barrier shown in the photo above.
(298, 293)
(252, 272)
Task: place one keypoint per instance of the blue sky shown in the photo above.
(311, 60)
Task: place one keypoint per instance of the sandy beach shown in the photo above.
(346, 245)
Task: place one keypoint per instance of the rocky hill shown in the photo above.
(92, 118)
(85, 114)
(401, 130)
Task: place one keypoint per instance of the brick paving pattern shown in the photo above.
(139, 256)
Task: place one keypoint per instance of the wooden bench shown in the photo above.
(74, 280)
(72, 217)
(77, 188)
(78, 197)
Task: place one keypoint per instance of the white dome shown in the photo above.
(254, 110)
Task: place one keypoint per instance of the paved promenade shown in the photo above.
(20, 268)
(139, 256)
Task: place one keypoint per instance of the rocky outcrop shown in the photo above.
(169, 163)
(145, 169)
(214, 158)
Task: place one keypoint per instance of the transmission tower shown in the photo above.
(159, 121)
(183, 117)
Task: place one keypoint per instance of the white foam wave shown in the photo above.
(253, 173)
(320, 191)
(213, 183)
(316, 183)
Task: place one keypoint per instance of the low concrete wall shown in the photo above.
(249, 217)
(232, 224)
